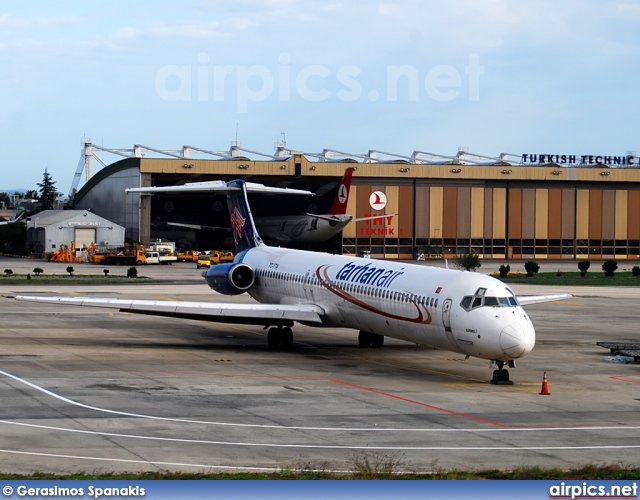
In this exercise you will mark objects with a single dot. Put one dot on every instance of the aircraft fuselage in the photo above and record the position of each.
(467, 313)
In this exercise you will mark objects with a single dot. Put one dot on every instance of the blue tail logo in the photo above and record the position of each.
(244, 231)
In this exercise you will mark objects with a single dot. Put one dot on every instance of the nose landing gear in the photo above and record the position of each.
(501, 376)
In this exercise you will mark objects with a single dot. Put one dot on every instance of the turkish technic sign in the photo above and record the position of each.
(629, 160)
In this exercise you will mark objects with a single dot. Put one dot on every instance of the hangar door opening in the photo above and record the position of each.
(84, 237)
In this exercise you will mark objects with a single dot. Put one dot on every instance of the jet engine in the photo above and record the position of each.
(230, 279)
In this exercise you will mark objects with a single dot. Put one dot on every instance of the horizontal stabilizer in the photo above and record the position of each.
(217, 186)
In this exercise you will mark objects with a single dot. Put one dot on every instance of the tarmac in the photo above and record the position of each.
(84, 389)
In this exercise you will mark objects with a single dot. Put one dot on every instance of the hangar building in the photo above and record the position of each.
(527, 206)
(47, 230)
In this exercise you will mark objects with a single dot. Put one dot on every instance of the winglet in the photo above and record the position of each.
(339, 206)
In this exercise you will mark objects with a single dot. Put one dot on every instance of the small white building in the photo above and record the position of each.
(47, 230)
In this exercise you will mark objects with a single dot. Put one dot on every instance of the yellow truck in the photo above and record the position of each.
(213, 257)
(187, 256)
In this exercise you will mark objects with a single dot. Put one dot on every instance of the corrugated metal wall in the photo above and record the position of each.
(508, 221)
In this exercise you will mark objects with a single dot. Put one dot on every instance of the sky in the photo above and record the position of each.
(492, 76)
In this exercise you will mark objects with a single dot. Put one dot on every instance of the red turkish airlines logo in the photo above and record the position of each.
(378, 200)
(237, 223)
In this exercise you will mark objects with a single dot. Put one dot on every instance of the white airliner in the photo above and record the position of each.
(467, 313)
(304, 228)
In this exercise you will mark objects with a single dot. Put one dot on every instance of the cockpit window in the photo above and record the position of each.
(491, 301)
(480, 299)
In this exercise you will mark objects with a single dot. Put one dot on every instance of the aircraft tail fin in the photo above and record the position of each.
(244, 230)
(245, 234)
(339, 206)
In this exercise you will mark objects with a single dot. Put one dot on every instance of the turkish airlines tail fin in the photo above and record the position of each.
(339, 206)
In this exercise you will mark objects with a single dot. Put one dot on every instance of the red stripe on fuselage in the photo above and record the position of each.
(334, 288)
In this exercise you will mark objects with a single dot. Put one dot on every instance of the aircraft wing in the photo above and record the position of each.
(197, 226)
(371, 217)
(348, 218)
(223, 312)
(526, 300)
(331, 218)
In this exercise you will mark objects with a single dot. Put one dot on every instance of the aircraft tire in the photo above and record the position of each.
(364, 339)
(377, 341)
(286, 338)
(273, 338)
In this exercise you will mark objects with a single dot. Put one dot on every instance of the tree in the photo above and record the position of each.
(504, 270)
(6, 199)
(8, 272)
(583, 265)
(132, 272)
(468, 262)
(38, 271)
(47, 191)
(609, 267)
(70, 270)
(531, 267)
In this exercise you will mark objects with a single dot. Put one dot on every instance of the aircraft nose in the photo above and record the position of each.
(517, 339)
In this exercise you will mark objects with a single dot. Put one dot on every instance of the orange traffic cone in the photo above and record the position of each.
(545, 385)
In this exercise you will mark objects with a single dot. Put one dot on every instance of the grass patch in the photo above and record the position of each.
(83, 279)
(569, 278)
(363, 467)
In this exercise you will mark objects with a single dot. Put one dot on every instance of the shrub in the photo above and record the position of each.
(70, 270)
(504, 270)
(609, 267)
(132, 272)
(38, 271)
(635, 271)
(8, 272)
(583, 265)
(468, 262)
(531, 267)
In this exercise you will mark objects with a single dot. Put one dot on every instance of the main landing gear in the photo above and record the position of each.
(368, 339)
(280, 337)
(501, 376)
